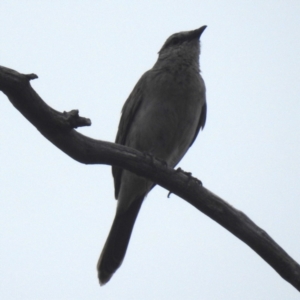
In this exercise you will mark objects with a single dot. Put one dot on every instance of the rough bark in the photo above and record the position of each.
(58, 128)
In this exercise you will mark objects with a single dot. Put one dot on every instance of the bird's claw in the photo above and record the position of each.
(152, 158)
(189, 175)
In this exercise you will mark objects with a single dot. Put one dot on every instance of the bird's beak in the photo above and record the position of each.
(197, 33)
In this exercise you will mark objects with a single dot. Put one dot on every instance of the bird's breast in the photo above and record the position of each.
(167, 120)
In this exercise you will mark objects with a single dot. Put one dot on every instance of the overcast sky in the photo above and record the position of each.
(56, 213)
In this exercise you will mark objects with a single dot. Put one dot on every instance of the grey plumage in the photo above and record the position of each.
(162, 116)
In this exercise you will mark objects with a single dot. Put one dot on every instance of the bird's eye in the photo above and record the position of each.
(175, 41)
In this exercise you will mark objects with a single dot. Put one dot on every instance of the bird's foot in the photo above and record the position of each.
(152, 158)
(164, 163)
(189, 175)
(149, 156)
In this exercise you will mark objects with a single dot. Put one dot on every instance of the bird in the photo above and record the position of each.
(161, 117)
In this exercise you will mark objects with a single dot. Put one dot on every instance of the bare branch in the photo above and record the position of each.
(58, 128)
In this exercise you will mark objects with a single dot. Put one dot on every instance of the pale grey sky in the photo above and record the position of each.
(55, 213)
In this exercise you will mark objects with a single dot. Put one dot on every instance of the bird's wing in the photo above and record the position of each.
(201, 122)
(129, 111)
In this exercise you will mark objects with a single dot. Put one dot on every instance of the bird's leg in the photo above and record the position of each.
(149, 156)
(152, 158)
(189, 175)
(163, 162)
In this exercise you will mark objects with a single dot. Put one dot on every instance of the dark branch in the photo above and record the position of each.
(58, 128)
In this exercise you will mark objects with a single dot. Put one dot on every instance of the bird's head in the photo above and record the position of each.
(185, 44)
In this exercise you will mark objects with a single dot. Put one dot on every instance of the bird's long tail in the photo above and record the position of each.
(117, 242)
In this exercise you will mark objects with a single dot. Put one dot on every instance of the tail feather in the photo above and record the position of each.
(117, 242)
